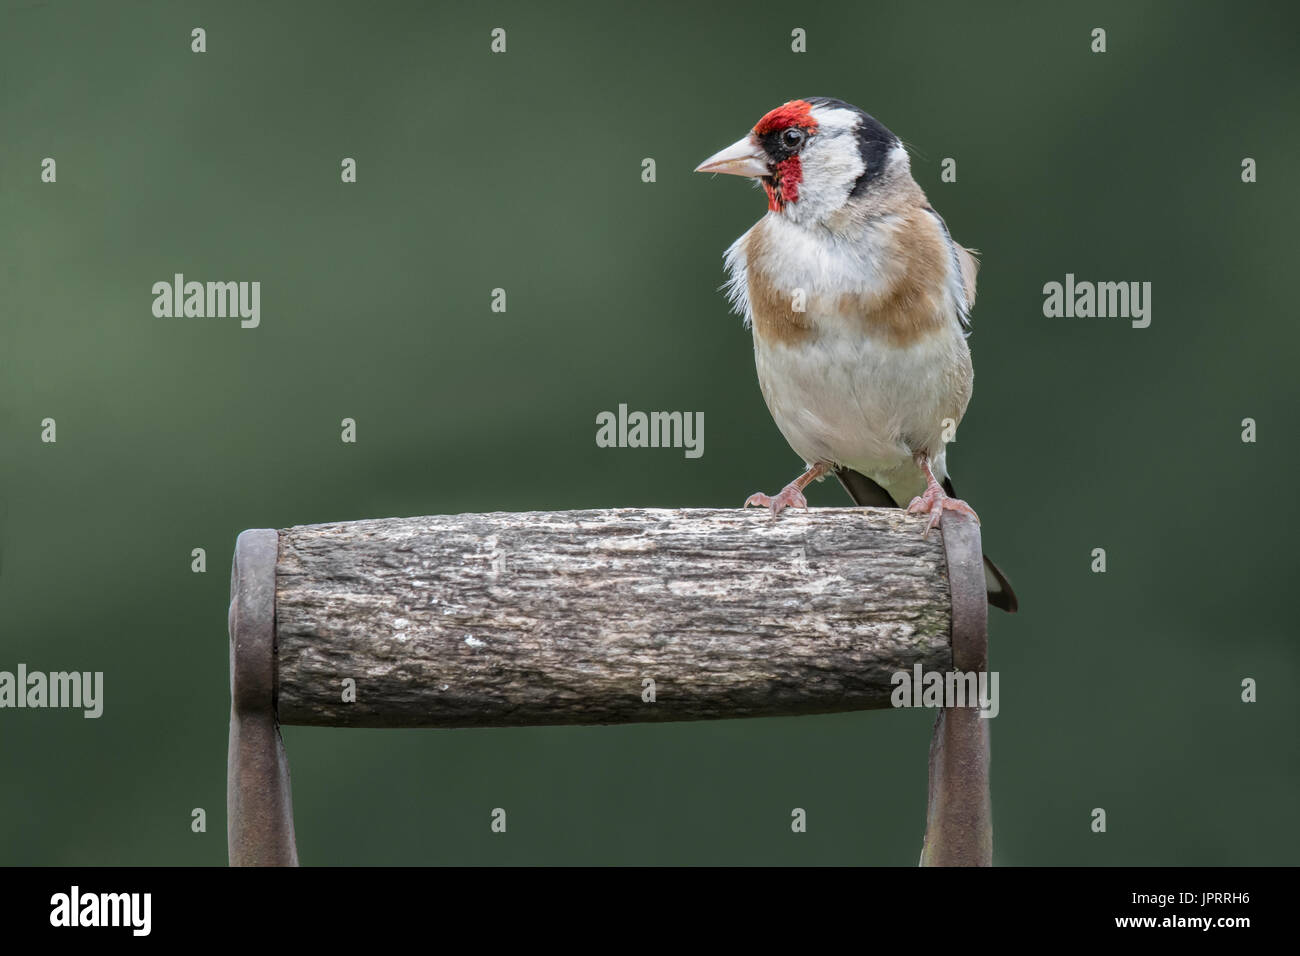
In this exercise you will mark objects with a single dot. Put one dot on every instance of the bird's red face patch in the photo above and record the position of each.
(783, 185)
(795, 113)
(787, 171)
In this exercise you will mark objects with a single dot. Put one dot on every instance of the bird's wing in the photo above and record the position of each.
(970, 265)
(967, 265)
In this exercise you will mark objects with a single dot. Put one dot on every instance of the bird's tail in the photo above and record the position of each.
(868, 494)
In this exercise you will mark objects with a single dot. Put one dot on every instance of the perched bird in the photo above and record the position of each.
(860, 302)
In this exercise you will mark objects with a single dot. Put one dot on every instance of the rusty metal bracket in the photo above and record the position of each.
(959, 813)
(259, 806)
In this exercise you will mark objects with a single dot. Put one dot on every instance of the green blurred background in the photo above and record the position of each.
(523, 171)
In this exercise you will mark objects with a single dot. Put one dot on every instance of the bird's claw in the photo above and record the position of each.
(934, 502)
(788, 497)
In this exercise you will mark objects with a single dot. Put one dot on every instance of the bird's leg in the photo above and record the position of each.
(934, 500)
(791, 494)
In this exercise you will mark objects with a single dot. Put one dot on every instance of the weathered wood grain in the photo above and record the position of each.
(559, 617)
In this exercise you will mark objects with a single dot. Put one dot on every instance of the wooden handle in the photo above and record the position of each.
(516, 619)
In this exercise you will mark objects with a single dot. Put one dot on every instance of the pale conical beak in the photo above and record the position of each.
(742, 158)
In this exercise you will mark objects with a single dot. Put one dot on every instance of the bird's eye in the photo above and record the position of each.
(793, 138)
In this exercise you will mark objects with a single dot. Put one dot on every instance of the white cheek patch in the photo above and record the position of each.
(830, 164)
(830, 168)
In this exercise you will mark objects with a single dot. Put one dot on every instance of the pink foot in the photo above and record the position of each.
(791, 496)
(935, 502)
